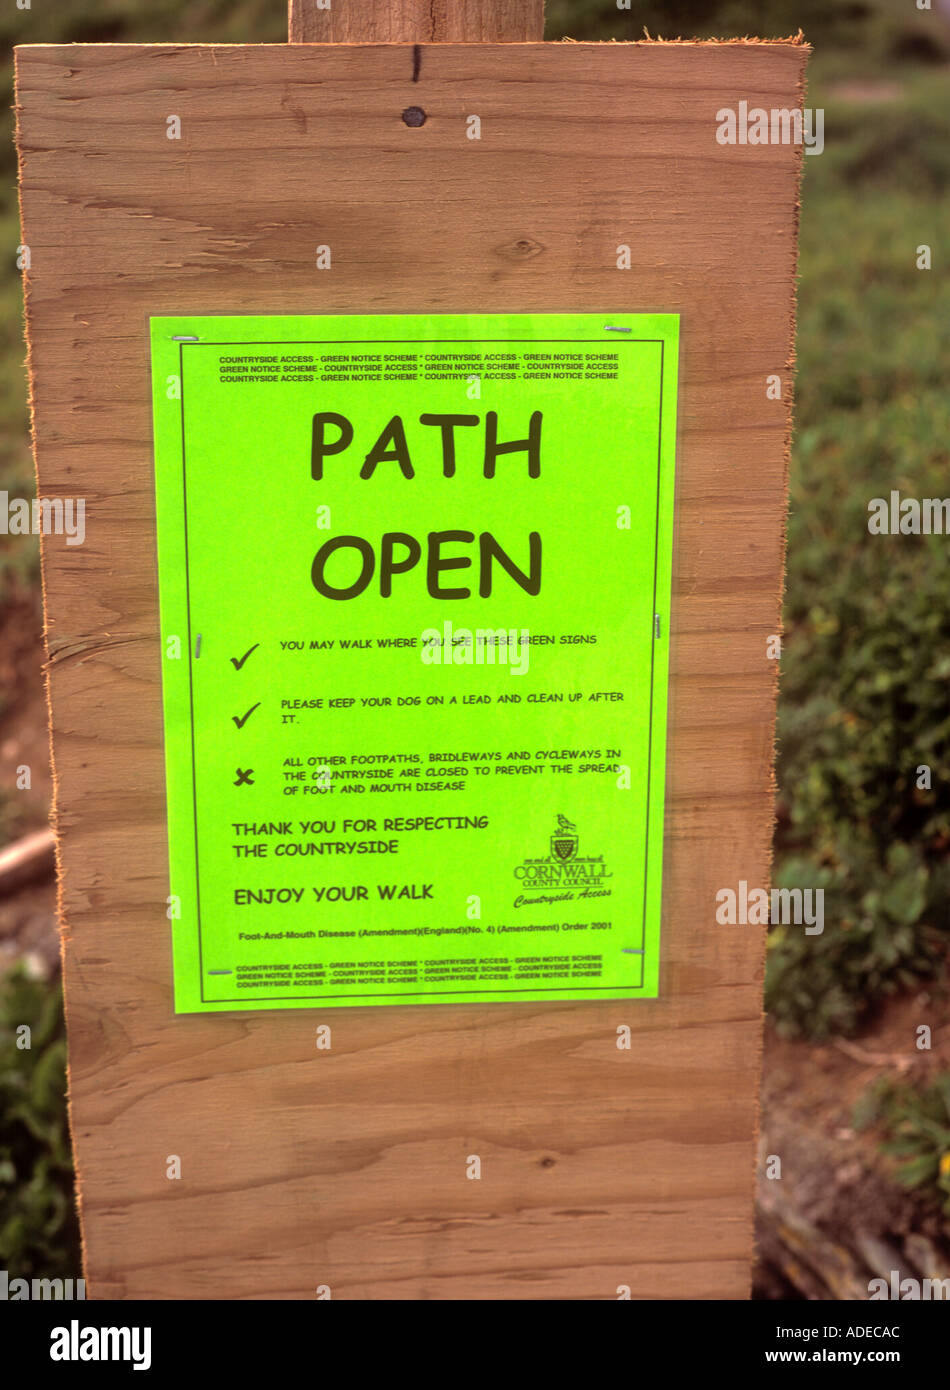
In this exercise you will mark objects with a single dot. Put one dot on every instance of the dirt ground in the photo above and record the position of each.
(837, 1194)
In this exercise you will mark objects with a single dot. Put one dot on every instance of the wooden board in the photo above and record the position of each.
(347, 1168)
(428, 21)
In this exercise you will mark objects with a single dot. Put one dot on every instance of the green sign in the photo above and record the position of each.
(415, 589)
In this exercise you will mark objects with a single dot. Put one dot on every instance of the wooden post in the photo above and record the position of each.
(604, 1166)
(417, 21)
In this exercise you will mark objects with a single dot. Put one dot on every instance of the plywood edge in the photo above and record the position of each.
(794, 41)
(46, 542)
(772, 784)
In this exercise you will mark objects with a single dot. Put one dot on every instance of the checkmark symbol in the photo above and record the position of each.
(238, 664)
(244, 718)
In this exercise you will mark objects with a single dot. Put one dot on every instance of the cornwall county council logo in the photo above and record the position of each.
(564, 840)
(571, 874)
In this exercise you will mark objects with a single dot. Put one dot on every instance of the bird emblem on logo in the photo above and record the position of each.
(564, 840)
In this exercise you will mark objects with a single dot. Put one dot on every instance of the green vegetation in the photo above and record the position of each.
(915, 1121)
(867, 654)
(39, 1230)
(860, 35)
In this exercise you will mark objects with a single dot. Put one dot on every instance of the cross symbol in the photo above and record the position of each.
(244, 778)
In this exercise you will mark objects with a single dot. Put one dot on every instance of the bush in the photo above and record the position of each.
(916, 1123)
(39, 1229)
(864, 705)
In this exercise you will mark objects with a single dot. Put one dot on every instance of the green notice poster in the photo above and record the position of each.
(415, 591)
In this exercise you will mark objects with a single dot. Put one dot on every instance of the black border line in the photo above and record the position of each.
(191, 683)
(656, 563)
(236, 1004)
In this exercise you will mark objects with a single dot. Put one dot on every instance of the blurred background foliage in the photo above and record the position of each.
(865, 672)
(39, 1234)
(915, 1124)
(865, 675)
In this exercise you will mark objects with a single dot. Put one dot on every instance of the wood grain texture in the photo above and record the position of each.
(416, 21)
(347, 1168)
